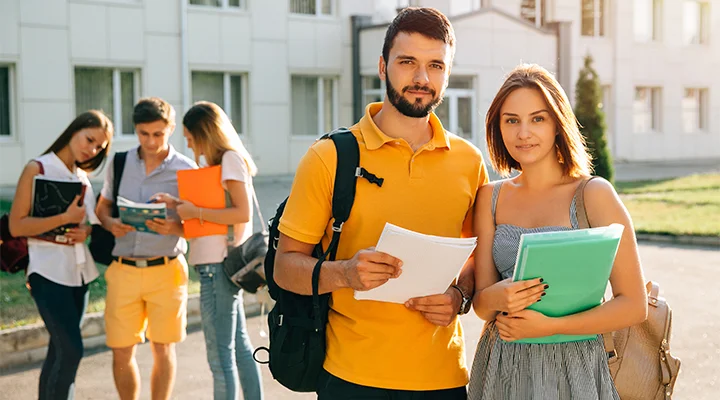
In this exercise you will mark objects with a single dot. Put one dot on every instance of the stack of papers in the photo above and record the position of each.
(430, 264)
(135, 214)
(576, 264)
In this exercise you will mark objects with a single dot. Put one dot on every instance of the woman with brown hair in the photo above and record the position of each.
(530, 128)
(210, 134)
(59, 274)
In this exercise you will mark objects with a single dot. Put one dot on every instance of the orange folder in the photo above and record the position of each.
(202, 187)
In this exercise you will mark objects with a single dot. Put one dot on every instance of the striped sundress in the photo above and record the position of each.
(518, 371)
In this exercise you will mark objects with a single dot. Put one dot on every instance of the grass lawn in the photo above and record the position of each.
(683, 206)
(18, 308)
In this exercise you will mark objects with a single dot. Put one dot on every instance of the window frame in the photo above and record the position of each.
(540, 9)
(12, 109)
(224, 5)
(320, 103)
(703, 21)
(318, 10)
(657, 16)
(117, 95)
(227, 96)
(656, 99)
(599, 23)
(702, 98)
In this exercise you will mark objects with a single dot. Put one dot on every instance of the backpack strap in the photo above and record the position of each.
(348, 164)
(584, 223)
(580, 211)
(118, 168)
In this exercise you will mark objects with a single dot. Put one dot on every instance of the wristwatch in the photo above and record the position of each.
(466, 301)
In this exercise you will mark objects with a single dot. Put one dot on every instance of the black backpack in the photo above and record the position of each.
(297, 322)
(102, 241)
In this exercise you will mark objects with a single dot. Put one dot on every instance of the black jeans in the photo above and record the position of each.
(61, 308)
(334, 388)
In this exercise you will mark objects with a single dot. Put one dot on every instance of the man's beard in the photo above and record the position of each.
(412, 110)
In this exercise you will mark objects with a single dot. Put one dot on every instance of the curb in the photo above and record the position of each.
(27, 345)
(711, 241)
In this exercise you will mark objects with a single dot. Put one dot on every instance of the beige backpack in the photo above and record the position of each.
(639, 356)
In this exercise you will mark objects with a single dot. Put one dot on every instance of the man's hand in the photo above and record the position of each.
(524, 324)
(438, 309)
(369, 269)
(165, 226)
(118, 229)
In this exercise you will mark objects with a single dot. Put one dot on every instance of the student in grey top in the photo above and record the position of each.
(147, 281)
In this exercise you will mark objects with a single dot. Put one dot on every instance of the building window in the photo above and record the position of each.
(373, 89)
(219, 3)
(311, 7)
(112, 90)
(227, 90)
(314, 105)
(647, 20)
(457, 111)
(646, 110)
(695, 22)
(695, 110)
(533, 11)
(5, 97)
(593, 18)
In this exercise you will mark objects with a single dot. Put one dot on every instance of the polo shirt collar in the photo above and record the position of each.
(374, 138)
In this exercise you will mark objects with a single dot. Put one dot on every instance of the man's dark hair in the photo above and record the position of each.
(426, 21)
(151, 109)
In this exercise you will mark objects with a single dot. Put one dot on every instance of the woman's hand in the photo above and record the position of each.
(170, 200)
(511, 297)
(77, 235)
(524, 324)
(75, 213)
(187, 210)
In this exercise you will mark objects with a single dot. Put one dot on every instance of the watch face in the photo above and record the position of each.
(465, 307)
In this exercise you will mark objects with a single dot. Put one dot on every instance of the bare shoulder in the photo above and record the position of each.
(600, 190)
(487, 189)
(31, 169)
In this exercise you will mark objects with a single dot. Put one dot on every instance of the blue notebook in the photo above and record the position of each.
(136, 214)
(576, 264)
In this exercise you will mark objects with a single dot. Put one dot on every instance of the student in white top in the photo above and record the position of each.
(59, 274)
(210, 134)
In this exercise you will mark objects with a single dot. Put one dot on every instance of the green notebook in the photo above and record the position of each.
(576, 264)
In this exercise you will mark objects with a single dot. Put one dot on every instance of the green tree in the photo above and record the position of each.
(592, 119)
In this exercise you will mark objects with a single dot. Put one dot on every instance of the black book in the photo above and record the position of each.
(52, 197)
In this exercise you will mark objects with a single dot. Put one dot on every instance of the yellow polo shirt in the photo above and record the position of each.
(431, 191)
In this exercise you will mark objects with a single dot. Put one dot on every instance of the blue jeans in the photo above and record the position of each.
(229, 351)
(61, 308)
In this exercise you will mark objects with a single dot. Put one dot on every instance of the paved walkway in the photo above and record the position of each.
(687, 276)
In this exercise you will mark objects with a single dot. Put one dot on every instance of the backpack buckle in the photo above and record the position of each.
(337, 228)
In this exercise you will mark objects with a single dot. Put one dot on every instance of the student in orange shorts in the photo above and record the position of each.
(147, 281)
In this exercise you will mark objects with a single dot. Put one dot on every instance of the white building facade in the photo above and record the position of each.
(287, 70)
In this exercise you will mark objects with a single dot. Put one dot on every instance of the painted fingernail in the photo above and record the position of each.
(504, 313)
(542, 280)
(547, 286)
(539, 300)
(543, 294)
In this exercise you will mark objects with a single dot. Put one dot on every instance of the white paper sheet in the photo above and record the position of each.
(430, 263)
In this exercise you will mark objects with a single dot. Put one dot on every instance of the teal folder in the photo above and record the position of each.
(576, 264)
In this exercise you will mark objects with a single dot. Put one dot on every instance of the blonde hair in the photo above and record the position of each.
(572, 152)
(214, 134)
